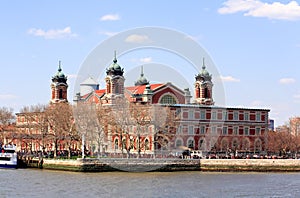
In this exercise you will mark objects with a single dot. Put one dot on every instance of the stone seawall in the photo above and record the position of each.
(141, 165)
(250, 165)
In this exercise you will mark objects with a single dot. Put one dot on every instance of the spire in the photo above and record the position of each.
(142, 71)
(115, 57)
(203, 64)
(142, 80)
(59, 66)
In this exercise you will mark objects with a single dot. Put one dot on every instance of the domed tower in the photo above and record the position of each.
(142, 80)
(203, 87)
(114, 78)
(59, 86)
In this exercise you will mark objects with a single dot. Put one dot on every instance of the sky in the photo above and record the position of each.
(253, 44)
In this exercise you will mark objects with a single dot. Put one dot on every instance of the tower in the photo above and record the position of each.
(142, 80)
(114, 79)
(203, 87)
(59, 87)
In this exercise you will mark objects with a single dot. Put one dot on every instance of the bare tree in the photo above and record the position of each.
(34, 128)
(60, 121)
(86, 121)
(7, 118)
(165, 123)
(141, 118)
(122, 122)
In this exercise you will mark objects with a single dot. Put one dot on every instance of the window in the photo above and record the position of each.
(60, 93)
(214, 115)
(224, 115)
(225, 131)
(257, 116)
(257, 131)
(246, 131)
(168, 99)
(235, 115)
(116, 144)
(246, 116)
(147, 147)
(191, 143)
(191, 114)
(213, 130)
(202, 144)
(235, 130)
(191, 130)
(202, 115)
(179, 130)
(178, 142)
(202, 129)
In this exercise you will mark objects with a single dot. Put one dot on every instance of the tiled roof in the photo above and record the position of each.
(140, 88)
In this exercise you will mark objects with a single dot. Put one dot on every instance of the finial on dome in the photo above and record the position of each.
(59, 66)
(142, 70)
(115, 57)
(203, 65)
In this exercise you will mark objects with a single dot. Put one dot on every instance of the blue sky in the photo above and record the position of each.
(254, 44)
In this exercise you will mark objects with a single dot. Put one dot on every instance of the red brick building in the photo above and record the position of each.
(202, 125)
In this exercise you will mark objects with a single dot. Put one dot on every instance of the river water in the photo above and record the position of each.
(45, 183)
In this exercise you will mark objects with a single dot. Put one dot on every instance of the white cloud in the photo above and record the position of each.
(229, 79)
(297, 96)
(257, 8)
(72, 76)
(7, 97)
(106, 33)
(146, 60)
(287, 81)
(53, 33)
(137, 38)
(110, 17)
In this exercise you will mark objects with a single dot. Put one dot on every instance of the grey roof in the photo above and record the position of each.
(89, 81)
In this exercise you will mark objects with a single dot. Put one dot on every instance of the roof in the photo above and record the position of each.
(218, 107)
(89, 81)
(140, 88)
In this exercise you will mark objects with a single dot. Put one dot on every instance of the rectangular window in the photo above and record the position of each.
(235, 130)
(214, 130)
(246, 131)
(236, 115)
(246, 116)
(214, 115)
(257, 131)
(202, 115)
(257, 116)
(179, 130)
(224, 115)
(191, 130)
(202, 129)
(225, 131)
(191, 114)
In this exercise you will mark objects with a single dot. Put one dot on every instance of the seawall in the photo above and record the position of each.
(140, 165)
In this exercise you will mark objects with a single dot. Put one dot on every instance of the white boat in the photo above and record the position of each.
(8, 157)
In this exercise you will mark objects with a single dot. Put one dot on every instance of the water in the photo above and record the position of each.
(45, 183)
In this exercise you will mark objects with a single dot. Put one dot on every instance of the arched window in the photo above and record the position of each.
(178, 143)
(257, 145)
(191, 143)
(168, 99)
(206, 92)
(60, 93)
(235, 144)
(202, 144)
(246, 144)
(147, 146)
(116, 144)
(224, 144)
